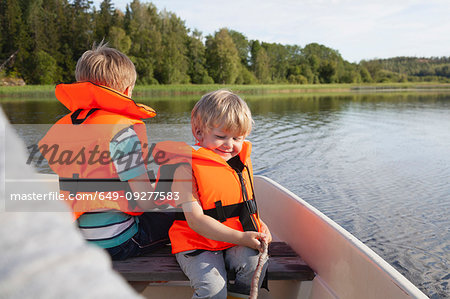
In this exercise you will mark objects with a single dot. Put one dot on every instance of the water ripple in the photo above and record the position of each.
(381, 171)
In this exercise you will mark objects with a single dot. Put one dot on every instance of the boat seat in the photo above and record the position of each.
(161, 266)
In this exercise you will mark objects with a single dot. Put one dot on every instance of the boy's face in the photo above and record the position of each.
(223, 143)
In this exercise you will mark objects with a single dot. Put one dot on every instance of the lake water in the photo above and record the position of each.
(378, 164)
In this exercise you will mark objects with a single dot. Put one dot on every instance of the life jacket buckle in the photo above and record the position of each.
(251, 207)
(71, 184)
(220, 211)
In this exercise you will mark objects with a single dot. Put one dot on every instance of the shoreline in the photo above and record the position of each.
(34, 91)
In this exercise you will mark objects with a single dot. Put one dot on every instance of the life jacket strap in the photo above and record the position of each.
(166, 174)
(74, 185)
(79, 121)
(221, 213)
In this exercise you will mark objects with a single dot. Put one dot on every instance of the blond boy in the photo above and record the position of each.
(105, 135)
(219, 229)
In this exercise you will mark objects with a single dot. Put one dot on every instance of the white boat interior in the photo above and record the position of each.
(344, 267)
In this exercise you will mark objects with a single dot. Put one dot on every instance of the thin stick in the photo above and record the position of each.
(257, 274)
(7, 60)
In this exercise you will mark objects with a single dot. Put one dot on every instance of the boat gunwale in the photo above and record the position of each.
(396, 277)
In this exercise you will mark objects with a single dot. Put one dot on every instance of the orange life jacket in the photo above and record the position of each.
(224, 193)
(77, 146)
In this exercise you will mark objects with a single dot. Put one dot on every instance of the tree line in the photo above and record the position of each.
(41, 41)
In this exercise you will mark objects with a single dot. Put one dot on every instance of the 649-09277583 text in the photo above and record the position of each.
(51, 196)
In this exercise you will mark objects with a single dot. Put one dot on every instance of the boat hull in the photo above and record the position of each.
(344, 266)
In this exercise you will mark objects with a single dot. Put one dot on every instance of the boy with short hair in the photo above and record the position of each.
(105, 142)
(219, 229)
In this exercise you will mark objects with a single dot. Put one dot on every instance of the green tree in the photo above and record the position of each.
(196, 55)
(119, 39)
(365, 75)
(144, 70)
(297, 79)
(242, 45)
(313, 61)
(79, 27)
(104, 20)
(305, 71)
(222, 57)
(262, 66)
(48, 36)
(373, 68)
(300, 74)
(326, 64)
(327, 71)
(45, 18)
(173, 65)
(45, 69)
(142, 25)
(443, 71)
(67, 64)
(11, 27)
(14, 37)
(245, 76)
(279, 56)
(255, 46)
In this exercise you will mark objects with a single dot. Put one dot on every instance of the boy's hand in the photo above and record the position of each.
(252, 240)
(265, 230)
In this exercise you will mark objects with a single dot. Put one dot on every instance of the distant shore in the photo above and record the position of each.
(267, 89)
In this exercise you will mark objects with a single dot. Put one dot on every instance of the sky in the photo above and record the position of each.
(357, 29)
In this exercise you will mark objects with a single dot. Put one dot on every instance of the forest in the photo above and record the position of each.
(41, 41)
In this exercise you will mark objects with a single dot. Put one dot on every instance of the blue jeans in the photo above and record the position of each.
(153, 233)
(207, 270)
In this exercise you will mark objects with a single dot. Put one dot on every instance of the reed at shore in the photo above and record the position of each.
(267, 89)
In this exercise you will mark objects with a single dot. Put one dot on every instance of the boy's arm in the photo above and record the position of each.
(213, 229)
(204, 224)
(126, 154)
(142, 186)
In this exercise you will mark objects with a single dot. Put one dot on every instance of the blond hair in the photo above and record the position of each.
(221, 109)
(106, 66)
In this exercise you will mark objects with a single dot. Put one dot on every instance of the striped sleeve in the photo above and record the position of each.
(127, 156)
(107, 228)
